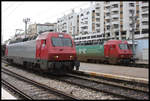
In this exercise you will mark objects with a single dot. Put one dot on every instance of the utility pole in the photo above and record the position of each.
(133, 24)
(73, 32)
(26, 20)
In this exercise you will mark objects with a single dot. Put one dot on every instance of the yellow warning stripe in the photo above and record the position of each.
(142, 80)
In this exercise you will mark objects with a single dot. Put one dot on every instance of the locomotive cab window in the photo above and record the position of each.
(123, 46)
(57, 41)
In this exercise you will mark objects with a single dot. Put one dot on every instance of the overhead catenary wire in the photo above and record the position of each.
(15, 6)
(9, 6)
(40, 13)
(12, 11)
(62, 13)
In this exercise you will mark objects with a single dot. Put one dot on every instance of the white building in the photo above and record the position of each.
(68, 23)
(111, 20)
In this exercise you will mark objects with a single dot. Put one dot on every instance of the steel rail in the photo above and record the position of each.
(16, 90)
(58, 92)
(107, 83)
(85, 85)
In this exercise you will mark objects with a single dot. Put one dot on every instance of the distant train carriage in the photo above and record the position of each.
(52, 52)
(3, 47)
(113, 51)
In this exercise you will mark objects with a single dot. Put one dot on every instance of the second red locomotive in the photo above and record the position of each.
(50, 51)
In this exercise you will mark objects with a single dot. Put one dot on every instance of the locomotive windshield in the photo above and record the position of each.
(123, 46)
(61, 41)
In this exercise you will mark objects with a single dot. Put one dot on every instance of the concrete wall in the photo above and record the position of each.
(142, 49)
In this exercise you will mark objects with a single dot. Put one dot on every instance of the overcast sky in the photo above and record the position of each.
(39, 12)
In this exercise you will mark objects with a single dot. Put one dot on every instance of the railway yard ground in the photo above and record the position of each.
(113, 71)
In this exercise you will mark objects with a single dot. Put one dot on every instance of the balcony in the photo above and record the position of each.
(115, 16)
(145, 4)
(145, 11)
(145, 19)
(97, 8)
(115, 9)
(107, 17)
(107, 23)
(84, 25)
(107, 10)
(115, 22)
(107, 31)
(115, 2)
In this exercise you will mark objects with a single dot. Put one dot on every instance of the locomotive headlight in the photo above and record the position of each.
(122, 56)
(71, 57)
(56, 57)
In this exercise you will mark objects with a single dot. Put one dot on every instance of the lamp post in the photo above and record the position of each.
(26, 20)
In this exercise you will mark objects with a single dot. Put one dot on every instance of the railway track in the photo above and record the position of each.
(133, 84)
(106, 87)
(119, 88)
(15, 89)
(35, 90)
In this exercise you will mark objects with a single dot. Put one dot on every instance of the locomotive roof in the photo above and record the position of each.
(115, 41)
(45, 35)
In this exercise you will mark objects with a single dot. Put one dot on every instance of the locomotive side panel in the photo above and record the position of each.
(23, 49)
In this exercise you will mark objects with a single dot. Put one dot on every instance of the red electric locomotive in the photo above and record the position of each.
(117, 51)
(51, 51)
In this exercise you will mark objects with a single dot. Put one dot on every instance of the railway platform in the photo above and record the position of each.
(142, 61)
(6, 95)
(129, 73)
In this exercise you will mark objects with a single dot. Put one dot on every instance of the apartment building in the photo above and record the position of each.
(111, 20)
(119, 19)
(143, 19)
(68, 23)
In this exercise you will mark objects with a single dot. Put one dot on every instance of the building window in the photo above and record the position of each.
(87, 13)
(97, 8)
(93, 36)
(81, 15)
(108, 27)
(145, 31)
(137, 32)
(131, 11)
(116, 25)
(144, 8)
(115, 6)
(97, 14)
(114, 12)
(145, 15)
(108, 34)
(97, 25)
(145, 22)
(123, 32)
(131, 4)
(97, 19)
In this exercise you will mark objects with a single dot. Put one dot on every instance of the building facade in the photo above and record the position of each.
(39, 28)
(68, 23)
(111, 20)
